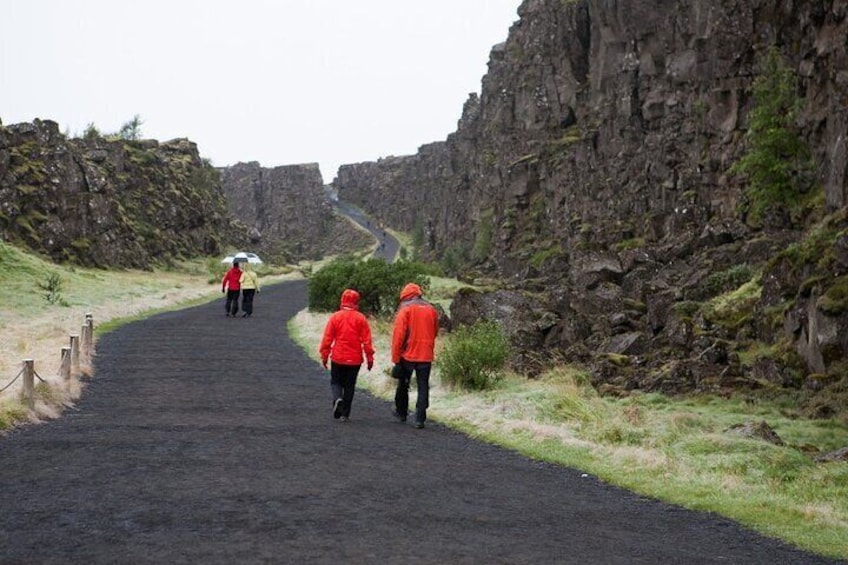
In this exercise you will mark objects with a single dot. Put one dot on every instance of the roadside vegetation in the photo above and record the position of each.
(683, 450)
(42, 303)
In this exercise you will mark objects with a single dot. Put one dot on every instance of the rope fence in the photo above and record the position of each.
(72, 358)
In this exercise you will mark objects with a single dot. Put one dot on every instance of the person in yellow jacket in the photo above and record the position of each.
(249, 283)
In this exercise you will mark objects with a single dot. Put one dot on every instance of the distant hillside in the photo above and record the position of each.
(288, 212)
(110, 202)
(107, 202)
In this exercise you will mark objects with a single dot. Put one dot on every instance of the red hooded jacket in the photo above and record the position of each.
(347, 334)
(416, 327)
(231, 279)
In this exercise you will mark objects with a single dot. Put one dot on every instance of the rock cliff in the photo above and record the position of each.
(109, 203)
(288, 212)
(593, 174)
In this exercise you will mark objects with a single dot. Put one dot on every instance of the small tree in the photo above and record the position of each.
(474, 356)
(51, 288)
(91, 131)
(777, 158)
(131, 130)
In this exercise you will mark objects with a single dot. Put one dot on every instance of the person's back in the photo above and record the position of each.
(249, 283)
(415, 331)
(413, 350)
(232, 287)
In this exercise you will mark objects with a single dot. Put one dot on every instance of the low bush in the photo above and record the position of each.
(378, 283)
(473, 356)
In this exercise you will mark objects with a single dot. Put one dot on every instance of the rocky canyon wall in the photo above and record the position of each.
(594, 166)
(107, 202)
(287, 211)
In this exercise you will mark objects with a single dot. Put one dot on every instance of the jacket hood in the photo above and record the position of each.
(410, 291)
(350, 299)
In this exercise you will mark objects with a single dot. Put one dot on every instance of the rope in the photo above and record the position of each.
(34, 372)
(13, 381)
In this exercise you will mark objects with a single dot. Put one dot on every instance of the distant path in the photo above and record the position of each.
(387, 245)
(205, 439)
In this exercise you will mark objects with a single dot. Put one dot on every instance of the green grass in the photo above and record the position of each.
(675, 449)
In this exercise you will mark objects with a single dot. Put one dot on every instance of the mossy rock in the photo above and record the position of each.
(834, 302)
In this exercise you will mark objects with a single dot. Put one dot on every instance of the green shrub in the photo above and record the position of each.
(725, 281)
(473, 356)
(777, 162)
(379, 284)
(51, 287)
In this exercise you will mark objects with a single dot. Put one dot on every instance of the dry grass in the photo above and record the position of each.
(30, 328)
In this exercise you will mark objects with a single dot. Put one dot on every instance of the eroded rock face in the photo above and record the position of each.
(109, 203)
(288, 212)
(597, 157)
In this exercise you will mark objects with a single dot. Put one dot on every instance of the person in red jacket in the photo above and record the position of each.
(347, 337)
(230, 284)
(413, 344)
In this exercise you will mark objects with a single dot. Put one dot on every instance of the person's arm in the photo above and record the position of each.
(327, 341)
(367, 346)
(399, 334)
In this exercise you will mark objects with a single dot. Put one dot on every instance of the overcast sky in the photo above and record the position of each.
(279, 82)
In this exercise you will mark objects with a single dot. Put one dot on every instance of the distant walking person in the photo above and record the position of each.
(249, 283)
(347, 338)
(230, 284)
(413, 343)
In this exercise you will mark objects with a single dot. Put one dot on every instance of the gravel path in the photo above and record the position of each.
(205, 439)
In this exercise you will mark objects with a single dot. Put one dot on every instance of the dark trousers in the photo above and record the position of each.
(231, 306)
(343, 384)
(247, 300)
(422, 376)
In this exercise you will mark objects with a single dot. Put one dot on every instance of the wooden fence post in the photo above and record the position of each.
(29, 383)
(65, 367)
(75, 355)
(88, 337)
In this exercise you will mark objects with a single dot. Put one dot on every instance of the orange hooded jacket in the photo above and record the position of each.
(416, 327)
(347, 334)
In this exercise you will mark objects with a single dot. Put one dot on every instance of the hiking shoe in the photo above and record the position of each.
(338, 406)
(419, 425)
(398, 416)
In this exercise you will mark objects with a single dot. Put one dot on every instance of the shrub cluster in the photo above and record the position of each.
(379, 284)
(473, 356)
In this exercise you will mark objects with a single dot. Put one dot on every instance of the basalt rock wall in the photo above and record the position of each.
(107, 202)
(287, 211)
(595, 164)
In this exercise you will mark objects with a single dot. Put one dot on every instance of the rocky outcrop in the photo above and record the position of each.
(109, 202)
(288, 212)
(593, 169)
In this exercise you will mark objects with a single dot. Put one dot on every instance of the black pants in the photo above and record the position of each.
(231, 306)
(422, 376)
(343, 384)
(247, 300)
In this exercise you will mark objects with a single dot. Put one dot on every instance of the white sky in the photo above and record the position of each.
(279, 82)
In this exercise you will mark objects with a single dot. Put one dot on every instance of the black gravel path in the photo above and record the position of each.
(205, 439)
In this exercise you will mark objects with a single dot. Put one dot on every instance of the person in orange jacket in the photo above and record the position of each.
(347, 337)
(413, 349)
